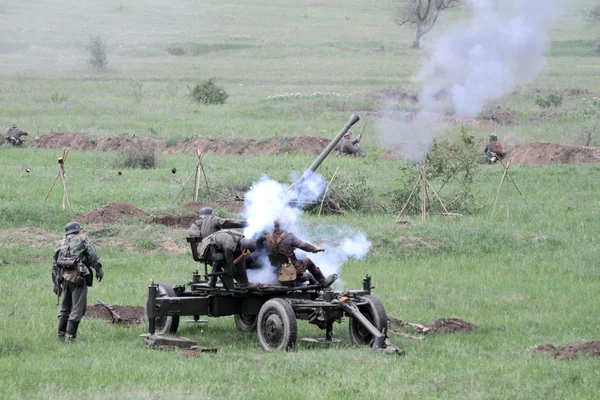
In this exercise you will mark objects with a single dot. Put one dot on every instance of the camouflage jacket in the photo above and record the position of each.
(349, 146)
(82, 249)
(221, 246)
(281, 246)
(205, 226)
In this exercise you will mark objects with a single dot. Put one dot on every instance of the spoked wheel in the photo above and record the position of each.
(245, 322)
(277, 326)
(375, 313)
(163, 325)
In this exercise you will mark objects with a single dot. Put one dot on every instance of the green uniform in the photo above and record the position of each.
(224, 247)
(73, 283)
(350, 147)
(207, 225)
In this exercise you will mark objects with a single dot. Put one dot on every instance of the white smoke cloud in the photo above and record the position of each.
(269, 200)
(471, 65)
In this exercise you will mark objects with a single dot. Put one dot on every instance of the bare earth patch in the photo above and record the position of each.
(130, 315)
(276, 145)
(569, 352)
(112, 212)
(542, 153)
(440, 326)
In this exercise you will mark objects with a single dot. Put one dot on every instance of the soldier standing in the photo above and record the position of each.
(13, 135)
(281, 245)
(349, 146)
(206, 225)
(73, 259)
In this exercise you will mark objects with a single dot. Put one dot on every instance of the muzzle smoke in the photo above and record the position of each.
(470, 66)
(269, 200)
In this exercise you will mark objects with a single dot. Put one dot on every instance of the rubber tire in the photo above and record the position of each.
(375, 313)
(245, 322)
(281, 310)
(163, 325)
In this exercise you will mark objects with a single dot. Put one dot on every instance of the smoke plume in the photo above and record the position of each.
(471, 65)
(269, 200)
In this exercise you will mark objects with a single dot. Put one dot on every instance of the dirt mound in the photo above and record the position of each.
(549, 153)
(130, 315)
(570, 352)
(112, 212)
(76, 140)
(174, 220)
(276, 145)
(30, 236)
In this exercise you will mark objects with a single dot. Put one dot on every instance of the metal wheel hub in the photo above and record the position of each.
(273, 329)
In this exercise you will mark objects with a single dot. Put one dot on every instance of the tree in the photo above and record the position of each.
(421, 13)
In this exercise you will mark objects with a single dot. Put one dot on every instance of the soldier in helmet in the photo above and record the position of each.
(74, 258)
(207, 224)
(349, 146)
(13, 135)
(228, 248)
(493, 150)
(280, 247)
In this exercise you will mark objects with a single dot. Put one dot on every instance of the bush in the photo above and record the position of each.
(143, 157)
(552, 100)
(59, 97)
(208, 93)
(175, 50)
(97, 49)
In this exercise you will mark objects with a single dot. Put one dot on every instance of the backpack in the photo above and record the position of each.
(66, 259)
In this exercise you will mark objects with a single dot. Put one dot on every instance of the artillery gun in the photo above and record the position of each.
(271, 310)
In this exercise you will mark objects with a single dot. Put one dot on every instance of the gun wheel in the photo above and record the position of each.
(163, 325)
(277, 326)
(245, 322)
(375, 313)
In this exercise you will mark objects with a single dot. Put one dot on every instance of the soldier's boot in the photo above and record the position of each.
(212, 281)
(71, 333)
(62, 328)
(323, 282)
(242, 277)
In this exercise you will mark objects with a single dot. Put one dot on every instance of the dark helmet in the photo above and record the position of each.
(493, 138)
(206, 211)
(72, 227)
(247, 244)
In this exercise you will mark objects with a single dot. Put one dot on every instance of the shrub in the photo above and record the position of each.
(139, 156)
(208, 93)
(59, 98)
(136, 89)
(552, 100)
(175, 50)
(97, 49)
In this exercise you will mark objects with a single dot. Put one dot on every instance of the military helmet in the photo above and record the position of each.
(247, 244)
(206, 211)
(72, 227)
(493, 138)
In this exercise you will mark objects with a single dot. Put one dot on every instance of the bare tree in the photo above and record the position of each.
(421, 13)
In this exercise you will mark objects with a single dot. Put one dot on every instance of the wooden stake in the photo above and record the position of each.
(409, 197)
(498, 191)
(186, 182)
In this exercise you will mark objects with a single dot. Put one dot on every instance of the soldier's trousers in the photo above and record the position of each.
(74, 302)
(307, 264)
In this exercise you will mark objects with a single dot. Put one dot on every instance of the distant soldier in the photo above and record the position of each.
(13, 135)
(207, 224)
(349, 146)
(74, 258)
(493, 150)
(228, 248)
(280, 247)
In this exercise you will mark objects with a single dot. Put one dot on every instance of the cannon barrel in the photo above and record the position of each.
(353, 120)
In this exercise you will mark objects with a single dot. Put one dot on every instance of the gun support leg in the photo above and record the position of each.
(329, 331)
(353, 311)
(150, 305)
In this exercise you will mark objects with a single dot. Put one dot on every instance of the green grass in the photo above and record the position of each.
(290, 68)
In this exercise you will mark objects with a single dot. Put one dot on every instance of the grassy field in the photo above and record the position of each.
(526, 280)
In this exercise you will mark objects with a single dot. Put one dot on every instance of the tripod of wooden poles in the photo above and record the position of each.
(196, 174)
(62, 175)
(502, 182)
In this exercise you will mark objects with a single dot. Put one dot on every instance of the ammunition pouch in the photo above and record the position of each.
(89, 278)
(287, 272)
(67, 262)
